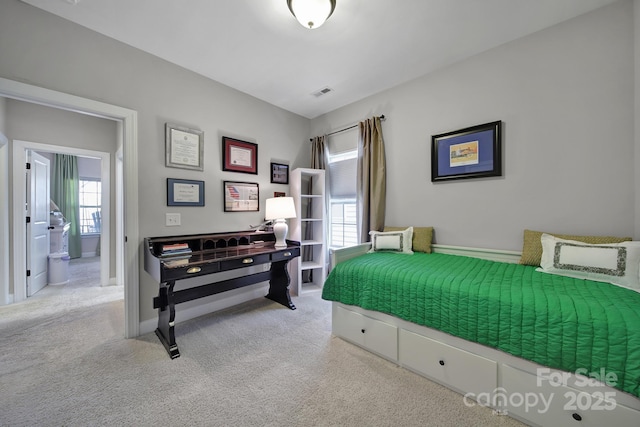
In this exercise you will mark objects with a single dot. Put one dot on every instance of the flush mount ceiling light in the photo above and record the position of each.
(311, 13)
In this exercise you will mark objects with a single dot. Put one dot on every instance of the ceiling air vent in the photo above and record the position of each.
(322, 91)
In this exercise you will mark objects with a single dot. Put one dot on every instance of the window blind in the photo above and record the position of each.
(342, 181)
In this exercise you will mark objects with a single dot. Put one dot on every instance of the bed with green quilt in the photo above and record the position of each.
(555, 321)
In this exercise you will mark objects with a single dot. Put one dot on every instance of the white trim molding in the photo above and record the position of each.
(482, 253)
(128, 126)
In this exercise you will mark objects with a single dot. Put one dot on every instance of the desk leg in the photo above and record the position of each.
(166, 319)
(279, 284)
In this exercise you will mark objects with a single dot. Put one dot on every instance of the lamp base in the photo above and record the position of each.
(280, 229)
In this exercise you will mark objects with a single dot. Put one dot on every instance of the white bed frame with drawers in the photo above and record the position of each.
(482, 375)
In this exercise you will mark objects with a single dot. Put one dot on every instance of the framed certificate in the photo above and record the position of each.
(184, 147)
(241, 196)
(185, 192)
(279, 173)
(239, 156)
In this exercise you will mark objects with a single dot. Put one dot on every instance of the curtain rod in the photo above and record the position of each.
(347, 128)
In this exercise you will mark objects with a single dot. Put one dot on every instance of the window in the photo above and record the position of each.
(343, 223)
(90, 197)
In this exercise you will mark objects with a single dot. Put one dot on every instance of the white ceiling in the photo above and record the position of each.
(257, 46)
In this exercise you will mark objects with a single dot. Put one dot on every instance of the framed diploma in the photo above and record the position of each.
(185, 192)
(184, 147)
(239, 156)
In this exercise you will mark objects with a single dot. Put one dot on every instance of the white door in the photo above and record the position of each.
(37, 218)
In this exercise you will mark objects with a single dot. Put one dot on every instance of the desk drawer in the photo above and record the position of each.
(286, 254)
(189, 270)
(247, 261)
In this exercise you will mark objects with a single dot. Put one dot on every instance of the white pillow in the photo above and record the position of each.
(617, 263)
(392, 241)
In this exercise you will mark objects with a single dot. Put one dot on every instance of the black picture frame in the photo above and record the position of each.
(239, 156)
(279, 173)
(240, 196)
(185, 192)
(184, 147)
(473, 152)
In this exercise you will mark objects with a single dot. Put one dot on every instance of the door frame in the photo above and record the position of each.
(127, 123)
(19, 199)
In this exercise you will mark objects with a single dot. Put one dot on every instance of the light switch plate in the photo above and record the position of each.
(172, 219)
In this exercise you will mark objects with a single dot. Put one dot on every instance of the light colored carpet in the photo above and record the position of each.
(256, 364)
(83, 290)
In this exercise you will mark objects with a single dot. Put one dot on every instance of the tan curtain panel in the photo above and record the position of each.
(318, 153)
(371, 178)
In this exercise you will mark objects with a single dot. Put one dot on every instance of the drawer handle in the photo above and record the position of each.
(287, 254)
(194, 270)
(362, 330)
(576, 416)
(441, 362)
(247, 261)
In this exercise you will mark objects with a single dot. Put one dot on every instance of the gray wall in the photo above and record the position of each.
(44, 50)
(565, 96)
(36, 123)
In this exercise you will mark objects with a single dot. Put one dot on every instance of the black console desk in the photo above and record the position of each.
(168, 259)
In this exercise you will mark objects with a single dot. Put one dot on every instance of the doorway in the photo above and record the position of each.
(20, 149)
(81, 256)
(126, 220)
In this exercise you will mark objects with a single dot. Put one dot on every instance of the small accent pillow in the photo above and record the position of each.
(616, 263)
(532, 249)
(422, 238)
(392, 241)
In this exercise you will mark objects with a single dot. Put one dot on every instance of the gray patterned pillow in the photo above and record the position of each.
(616, 263)
(532, 248)
(392, 241)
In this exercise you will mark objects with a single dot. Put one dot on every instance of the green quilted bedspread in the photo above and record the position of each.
(556, 321)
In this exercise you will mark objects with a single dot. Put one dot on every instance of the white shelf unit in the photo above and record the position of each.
(308, 191)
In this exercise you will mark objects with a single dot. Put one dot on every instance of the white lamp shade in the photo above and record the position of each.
(280, 208)
(311, 13)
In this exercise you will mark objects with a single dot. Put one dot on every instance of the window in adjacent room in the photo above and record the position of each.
(89, 200)
(343, 223)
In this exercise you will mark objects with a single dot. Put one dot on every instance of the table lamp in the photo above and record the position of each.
(279, 209)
